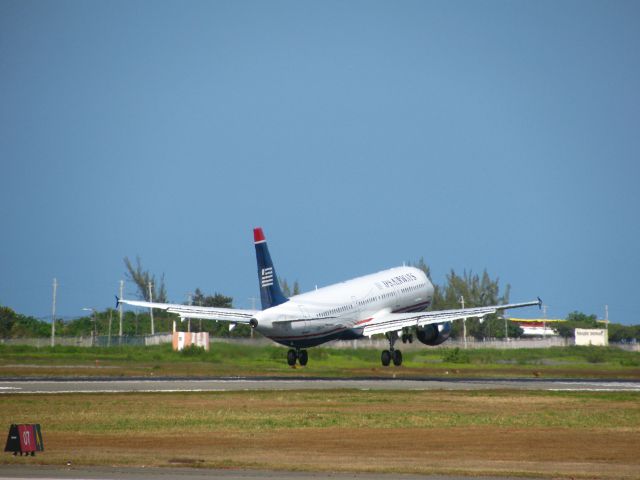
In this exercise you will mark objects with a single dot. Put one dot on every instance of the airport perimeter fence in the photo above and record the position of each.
(98, 341)
(373, 343)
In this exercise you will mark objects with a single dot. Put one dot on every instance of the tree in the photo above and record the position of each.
(288, 291)
(576, 320)
(284, 286)
(15, 325)
(215, 300)
(215, 328)
(8, 319)
(623, 333)
(477, 291)
(142, 278)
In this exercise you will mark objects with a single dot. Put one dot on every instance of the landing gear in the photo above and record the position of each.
(297, 355)
(292, 356)
(303, 358)
(386, 358)
(392, 354)
(397, 358)
(406, 337)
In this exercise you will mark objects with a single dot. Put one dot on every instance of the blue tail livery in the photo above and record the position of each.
(270, 292)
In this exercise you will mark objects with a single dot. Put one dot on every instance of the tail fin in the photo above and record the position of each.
(270, 292)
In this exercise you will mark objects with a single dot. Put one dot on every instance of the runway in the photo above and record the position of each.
(106, 385)
(120, 473)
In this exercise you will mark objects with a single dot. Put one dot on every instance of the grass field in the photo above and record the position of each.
(230, 360)
(568, 435)
(553, 434)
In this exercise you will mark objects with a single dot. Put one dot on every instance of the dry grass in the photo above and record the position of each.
(591, 435)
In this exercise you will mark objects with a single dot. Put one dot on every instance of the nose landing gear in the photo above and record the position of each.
(297, 355)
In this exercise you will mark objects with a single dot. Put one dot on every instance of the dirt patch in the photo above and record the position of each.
(592, 454)
(522, 433)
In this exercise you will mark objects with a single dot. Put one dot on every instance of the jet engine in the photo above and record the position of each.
(434, 334)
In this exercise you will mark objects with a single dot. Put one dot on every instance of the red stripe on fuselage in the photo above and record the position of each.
(360, 322)
(363, 321)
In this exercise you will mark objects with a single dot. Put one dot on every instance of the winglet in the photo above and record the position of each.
(117, 301)
(539, 303)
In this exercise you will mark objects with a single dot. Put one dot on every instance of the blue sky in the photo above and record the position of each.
(495, 134)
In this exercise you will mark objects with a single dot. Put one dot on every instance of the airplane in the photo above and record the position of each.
(391, 302)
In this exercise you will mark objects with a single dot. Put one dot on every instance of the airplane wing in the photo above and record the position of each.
(394, 322)
(193, 311)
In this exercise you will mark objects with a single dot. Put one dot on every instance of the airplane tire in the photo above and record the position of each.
(291, 357)
(303, 358)
(397, 358)
(385, 358)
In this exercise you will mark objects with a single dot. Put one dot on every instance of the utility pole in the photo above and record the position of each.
(95, 327)
(153, 329)
(506, 330)
(53, 314)
(189, 319)
(120, 307)
(606, 321)
(464, 324)
(110, 319)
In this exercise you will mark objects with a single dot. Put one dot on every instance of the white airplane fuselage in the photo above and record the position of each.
(341, 311)
(391, 302)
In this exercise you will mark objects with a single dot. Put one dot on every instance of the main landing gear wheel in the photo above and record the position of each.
(397, 358)
(303, 358)
(385, 358)
(292, 356)
(391, 354)
(297, 355)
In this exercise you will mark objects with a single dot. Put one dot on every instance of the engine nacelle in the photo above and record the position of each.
(434, 334)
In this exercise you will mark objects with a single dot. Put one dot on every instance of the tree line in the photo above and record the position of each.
(475, 289)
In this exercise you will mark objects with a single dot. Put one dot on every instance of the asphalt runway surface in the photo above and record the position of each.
(108, 385)
(11, 472)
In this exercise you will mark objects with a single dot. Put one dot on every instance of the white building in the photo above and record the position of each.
(592, 336)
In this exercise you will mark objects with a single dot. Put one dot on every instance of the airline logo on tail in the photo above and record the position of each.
(266, 277)
(270, 292)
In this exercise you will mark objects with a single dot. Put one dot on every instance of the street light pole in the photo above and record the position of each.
(464, 324)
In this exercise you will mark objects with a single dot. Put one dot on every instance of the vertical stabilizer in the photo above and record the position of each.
(270, 292)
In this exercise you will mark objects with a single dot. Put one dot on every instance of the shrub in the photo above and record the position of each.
(594, 355)
(455, 356)
(193, 351)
